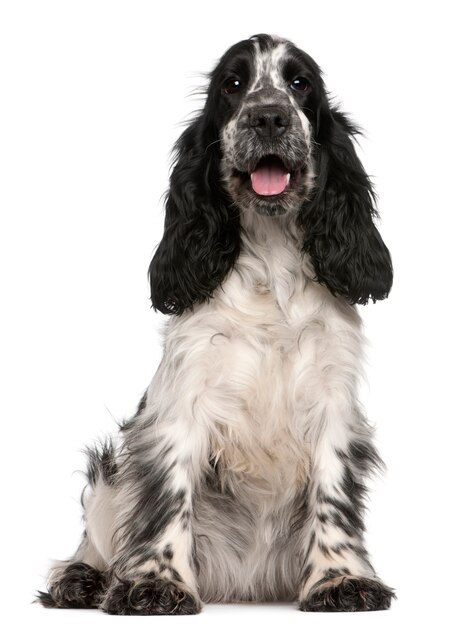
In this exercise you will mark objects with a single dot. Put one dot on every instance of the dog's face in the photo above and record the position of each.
(268, 141)
(266, 136)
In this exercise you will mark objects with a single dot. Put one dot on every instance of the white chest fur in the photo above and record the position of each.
(256, 360)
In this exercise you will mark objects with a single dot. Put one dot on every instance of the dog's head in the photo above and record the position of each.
(267, 90)
(268, 141)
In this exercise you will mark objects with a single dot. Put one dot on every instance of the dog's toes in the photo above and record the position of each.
(150, 596)
(78, 586)
(348, 593)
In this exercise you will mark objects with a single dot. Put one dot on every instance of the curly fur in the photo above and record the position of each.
(348, 594)
(150, 596)
(79, 586)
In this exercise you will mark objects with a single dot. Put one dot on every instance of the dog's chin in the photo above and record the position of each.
(272, 195)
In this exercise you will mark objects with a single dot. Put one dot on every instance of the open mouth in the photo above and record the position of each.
(270, 177)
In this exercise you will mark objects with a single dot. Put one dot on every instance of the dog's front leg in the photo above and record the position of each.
(336, 572)
(165, 448)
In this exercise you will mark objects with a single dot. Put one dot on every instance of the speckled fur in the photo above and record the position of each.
(242, 474)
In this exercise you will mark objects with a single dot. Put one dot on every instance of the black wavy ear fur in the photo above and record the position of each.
(201, 236)
(347, 251)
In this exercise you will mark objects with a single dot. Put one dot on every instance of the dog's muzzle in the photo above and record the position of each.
(268, 155)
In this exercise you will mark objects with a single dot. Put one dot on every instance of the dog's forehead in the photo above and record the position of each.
(268, 63)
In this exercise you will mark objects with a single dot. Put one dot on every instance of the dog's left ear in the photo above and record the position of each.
(346, 249)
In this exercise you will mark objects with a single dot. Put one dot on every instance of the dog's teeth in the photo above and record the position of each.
(288, 176)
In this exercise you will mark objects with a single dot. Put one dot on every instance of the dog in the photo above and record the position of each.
(242, 475)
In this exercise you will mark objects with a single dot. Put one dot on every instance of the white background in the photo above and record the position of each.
(92, 97)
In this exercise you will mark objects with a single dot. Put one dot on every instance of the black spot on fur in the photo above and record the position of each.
(149, 596)
(354, 490)
(350, 594)
(364, 456)
(79, 587)
(174, 574)
(168, 552)
(332, 572)
(345, 516)
(341, 547)
(323, 548)
(101, 463)
(323, 517)
(185, 516)
(341, 522)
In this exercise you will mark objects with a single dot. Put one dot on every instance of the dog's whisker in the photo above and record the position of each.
(212, 144)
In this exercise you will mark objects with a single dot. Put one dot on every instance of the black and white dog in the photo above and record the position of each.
(241, 476)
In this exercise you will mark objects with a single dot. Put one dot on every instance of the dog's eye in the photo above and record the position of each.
(231, 86)
(299, 84)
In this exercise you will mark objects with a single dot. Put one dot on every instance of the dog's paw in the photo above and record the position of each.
(77, 586)
(348, 593)
(150, 595)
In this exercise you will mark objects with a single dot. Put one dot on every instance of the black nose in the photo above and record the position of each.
(269, 121)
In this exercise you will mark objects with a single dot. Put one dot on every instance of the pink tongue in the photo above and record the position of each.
(269, 179)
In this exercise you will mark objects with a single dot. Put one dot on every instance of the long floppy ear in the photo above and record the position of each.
(201, 236)
(346, 249)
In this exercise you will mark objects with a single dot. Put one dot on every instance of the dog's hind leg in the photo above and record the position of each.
(152, 568)
(80, 582)
(164, 459)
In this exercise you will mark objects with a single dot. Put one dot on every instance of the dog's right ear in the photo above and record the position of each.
(201, 237)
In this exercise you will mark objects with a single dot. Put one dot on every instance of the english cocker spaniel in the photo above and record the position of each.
(242, 475)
